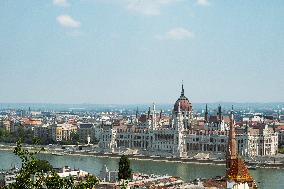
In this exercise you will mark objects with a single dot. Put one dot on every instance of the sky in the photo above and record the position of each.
(140, 51)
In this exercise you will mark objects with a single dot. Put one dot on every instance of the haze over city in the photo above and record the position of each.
(134, 51)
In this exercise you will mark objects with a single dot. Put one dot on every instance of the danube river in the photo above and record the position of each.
(266, 178)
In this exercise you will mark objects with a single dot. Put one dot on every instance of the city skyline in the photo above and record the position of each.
(135, 52)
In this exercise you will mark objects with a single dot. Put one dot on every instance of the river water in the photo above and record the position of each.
(266, 178)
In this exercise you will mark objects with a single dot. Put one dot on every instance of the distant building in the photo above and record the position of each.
(43, 132)
(6, 124)
(281, 118)
(280, 130)
(108, 176)
(260, 141)
(68, 172)
(30, 123)
(217, 122)
(8, 177)
(86, 130)
(62, 132)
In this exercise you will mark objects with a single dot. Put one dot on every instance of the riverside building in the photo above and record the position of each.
(181, 136)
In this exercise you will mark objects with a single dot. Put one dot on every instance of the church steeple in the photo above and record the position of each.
(232, 143)
(237, 170)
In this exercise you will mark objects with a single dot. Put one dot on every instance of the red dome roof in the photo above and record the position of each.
(183, 102)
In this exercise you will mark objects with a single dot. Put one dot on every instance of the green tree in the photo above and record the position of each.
(25, 135)
(43, 165)
(75, 138)
(124, 170)
(281, 150)
(5, 136)
(46, 177)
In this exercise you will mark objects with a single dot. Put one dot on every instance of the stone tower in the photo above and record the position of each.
(232, 143)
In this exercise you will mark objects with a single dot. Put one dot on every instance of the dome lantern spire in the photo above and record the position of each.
(182, 90)
(182, 102)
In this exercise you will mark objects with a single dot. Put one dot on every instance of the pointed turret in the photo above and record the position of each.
(182, 90)
(206, 114)
(137, 112)
(220, 113)
(149, 112)
(154, 116)
(154, 112)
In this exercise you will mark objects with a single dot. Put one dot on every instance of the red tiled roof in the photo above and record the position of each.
(239, 172)
(213, 119)
(143, 118)
(226, 118)
(280, 127)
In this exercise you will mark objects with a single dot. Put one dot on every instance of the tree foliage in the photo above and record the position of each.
(39, 174)
(25, 135)
(43, 166)
(281, 150)
(124, 170)
(75, 138)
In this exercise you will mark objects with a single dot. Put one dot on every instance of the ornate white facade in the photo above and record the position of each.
(179, 139)
(258, 142)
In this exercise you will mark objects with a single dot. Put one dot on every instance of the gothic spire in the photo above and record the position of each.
(206, 113)
(182, 90)
(220, 113)
(149, 111)
(137, 112)
(232, 113)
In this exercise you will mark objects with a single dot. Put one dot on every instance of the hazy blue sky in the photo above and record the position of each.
(139, 51)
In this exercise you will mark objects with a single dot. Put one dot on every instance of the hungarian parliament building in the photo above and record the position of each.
(180, 136)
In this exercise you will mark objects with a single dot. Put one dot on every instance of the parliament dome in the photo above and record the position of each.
(182, 103)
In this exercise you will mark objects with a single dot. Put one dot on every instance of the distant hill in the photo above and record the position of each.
(133, 107)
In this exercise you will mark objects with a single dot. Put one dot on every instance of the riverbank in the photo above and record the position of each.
(58, 151)
(187, 171)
